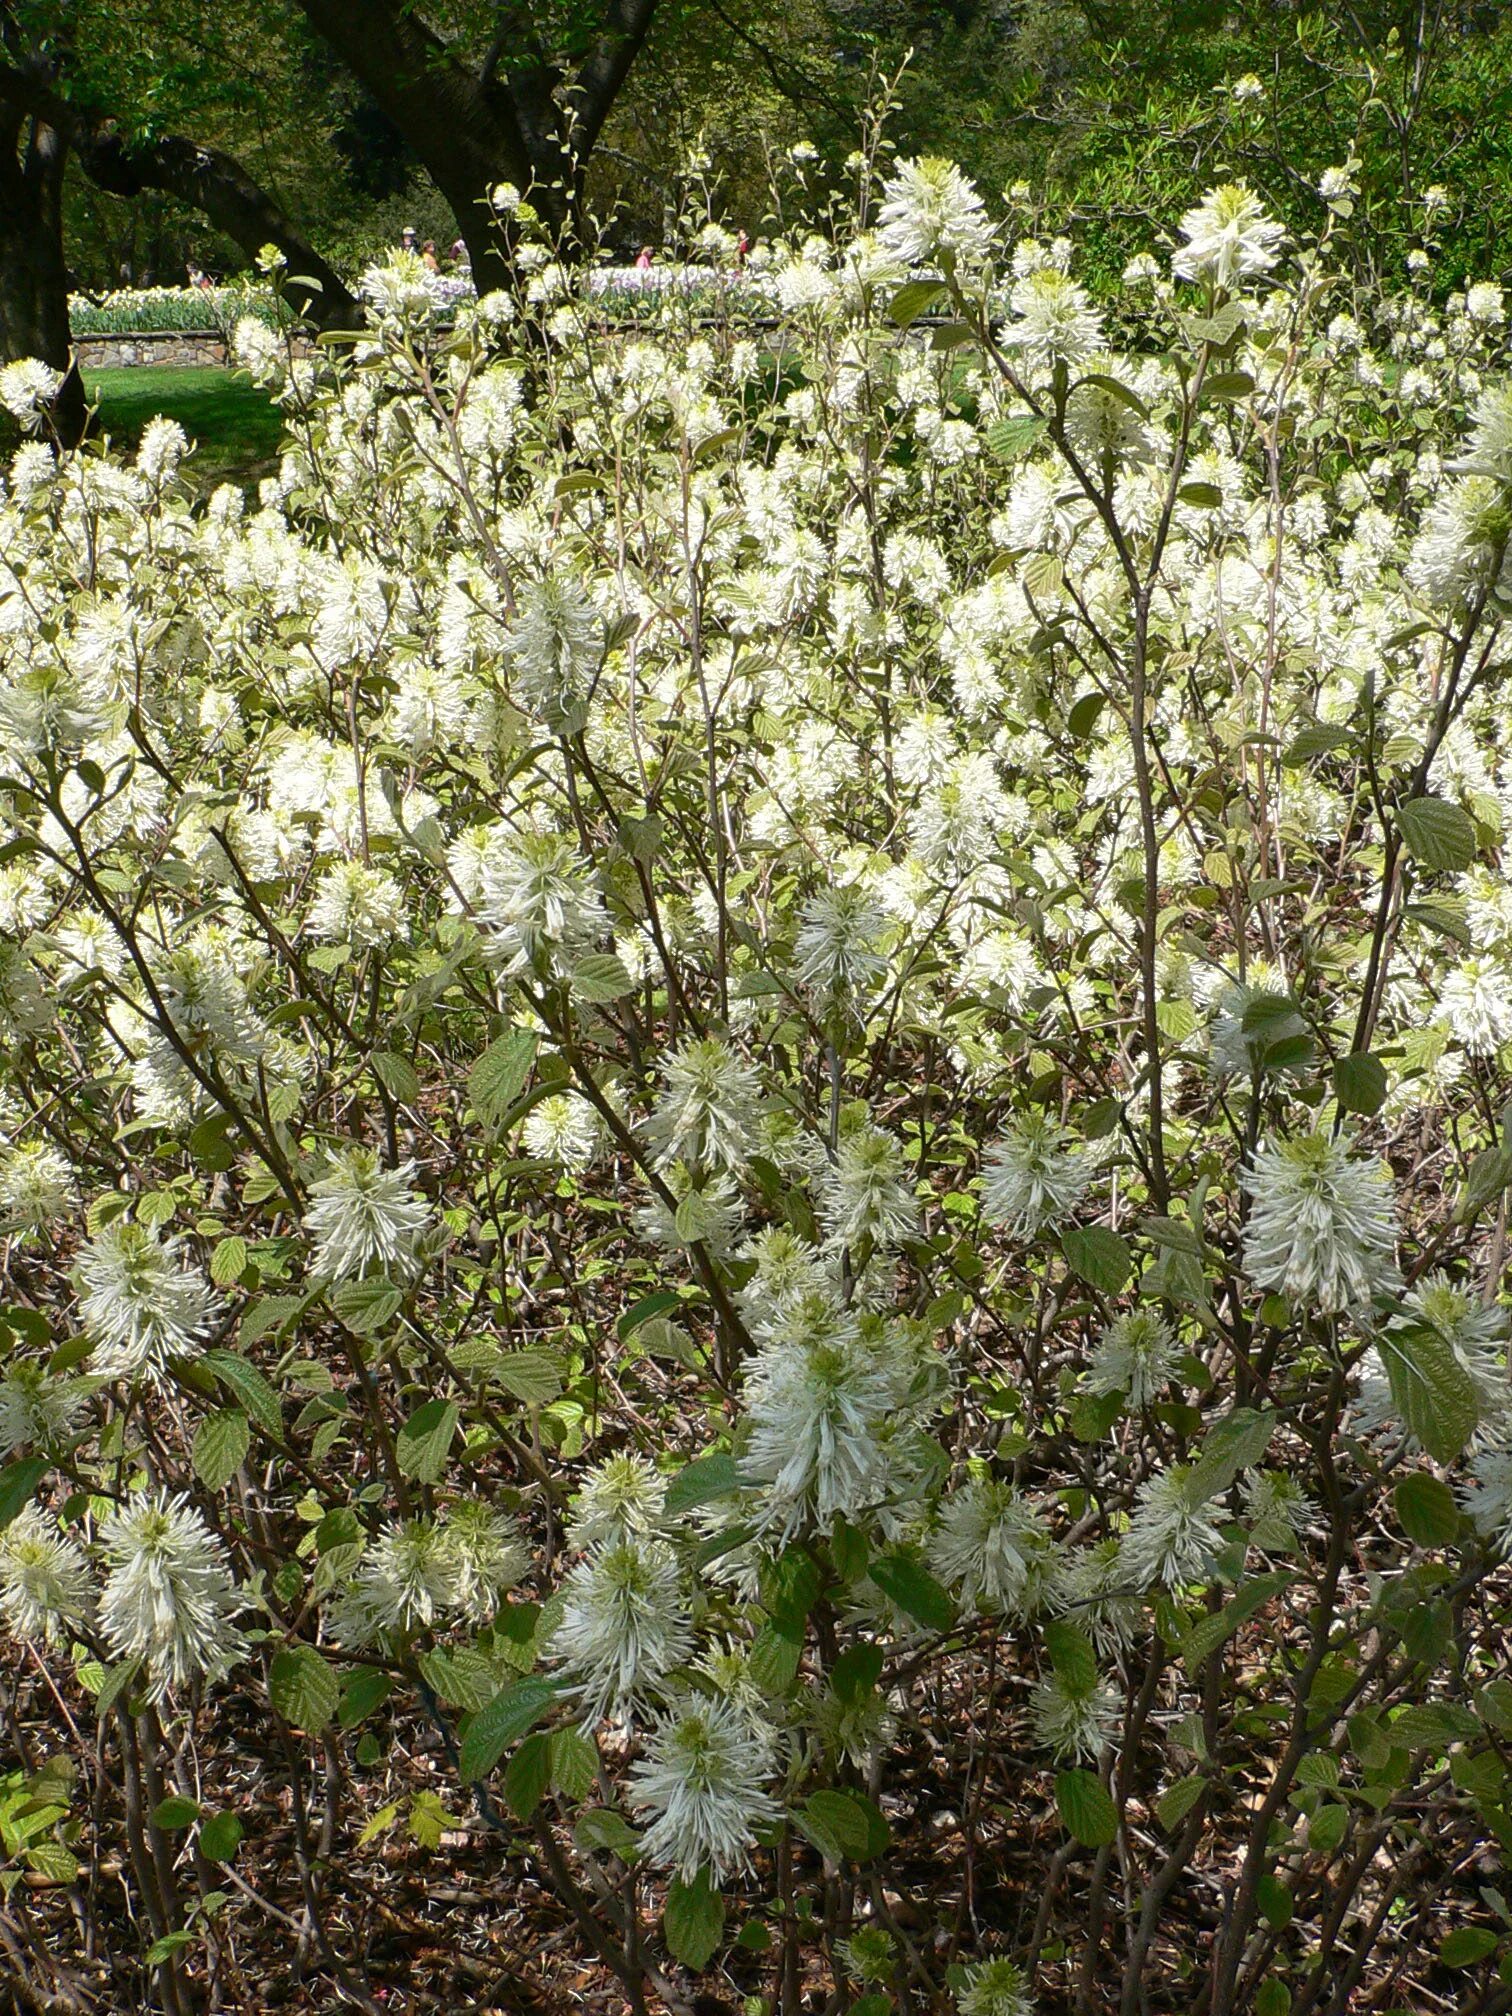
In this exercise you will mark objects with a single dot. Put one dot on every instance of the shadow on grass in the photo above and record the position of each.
(235, 427)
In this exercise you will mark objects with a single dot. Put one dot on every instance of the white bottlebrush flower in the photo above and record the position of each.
(701, 1778)
(406, 1581)
(1073, 1722)
(1032, 1177)
(564, 1129)
(364, 1217)
(537, 902)
(44, 1578)
(706, 1113)
(817, 1393)
(169, 1598)
(1229, 238)
(624, 1626)
(488, 1558)
(1487, 1496)
(37, 1409)
(1137, 1355)
(555, 644)
(1277, 1509)
(36, 1185)
(1172, 1537)
(27, 388)
(358, 906)
(994, 1988)
(1094, 1589)
(930, 211)
(864, 1196)
(1475, 999)
(1321, 1229)
(836, 952)
(621, 1501)
(994, 1548)
(1461, 548)
(1054, 321)
(141, 1303)
(787, 1269)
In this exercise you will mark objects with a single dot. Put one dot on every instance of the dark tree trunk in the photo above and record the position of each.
(33, 275)
(521, 117)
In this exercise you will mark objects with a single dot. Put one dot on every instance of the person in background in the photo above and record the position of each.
(742, 246)
(428, 254)
(198, 277)
(459, 254)
(643, 259)
(409, 239)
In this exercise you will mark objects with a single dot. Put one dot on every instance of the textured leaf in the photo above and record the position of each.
(424, 1442)
(913, 299)
(173, 1814)
(17, 1483)
(914, 1590)
(303, 1687)
(366, 1306)
(1098, 1256)
(713, 1476)
(1360, 1083)
(510, 1714)
(693, 1921)
(249, 1386)
(1086, 1808)
(528, 1775)
(602, 976)
(498, 1077)
(533, 1377)
(1439, 835)
(1433, 1392)
(220, 1447)
(220, 1837)
(1426, 1510)
(229, 1261)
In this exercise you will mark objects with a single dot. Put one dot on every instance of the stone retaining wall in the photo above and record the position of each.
(167, 346)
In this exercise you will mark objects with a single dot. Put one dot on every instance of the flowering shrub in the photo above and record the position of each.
(768, 1090)
(148, 311)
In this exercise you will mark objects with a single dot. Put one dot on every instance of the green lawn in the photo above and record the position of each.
(236, 427)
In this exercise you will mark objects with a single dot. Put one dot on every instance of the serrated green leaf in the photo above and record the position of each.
(17, 1483)
(1468, 1946)
(1439, 835)
(498, 1077)
(424, 1442)
(173, 1814)
(1360, 1083)
(303, 1687)
(397, 1076)
(220, 1447)
(249, 1386)
(914, 1590)
(1177, 1801)
(708, 1477)
(1086, 1808)
(366, 1306)
(534, 1378)
(1098, 1256)
(220, 1837)
(228, 1262)
(1426, 1510)
(913, 299)
(1434, 1394)
(693, 1921)
(511, 1714)
(601, 976)
(528, 1774)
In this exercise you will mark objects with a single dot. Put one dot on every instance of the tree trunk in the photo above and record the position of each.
(33, 275)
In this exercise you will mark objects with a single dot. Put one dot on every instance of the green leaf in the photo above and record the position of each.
(601, 976)
(228, 1262)
(1434, 1394)
(1467, 1946)
(1205, 1637)
(498, 1077)
(1360, 1083)
(249, 1386)
(1326, 1828)
(602, 1827)
(1317, 739)
(1275, 1901)
(844, 1826)
(17, 1483)
(709, 1477)
(1426, 1510)
(1226, 386)
(366, 1688)
(914, 1590)
(1071, 1655)
(913, 299)
(510, 1714)
(1016, 434)
(220, 1837)
(173, 1814)
(366, 1306)
(397, 1076)
(220, 1445)
(164, 1948)
(1177, 1801)
(1082, 718)
(528, 1774)
(1235, 1442)
(303, 1687)
(425, 1440)
(1086, 1808)
(693, 1921)
(656, 1304)
(1203, 496)
(856, 1672)
(534, 1378)
(1436, 1726)
(1098, 1257)
(1439, 835)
